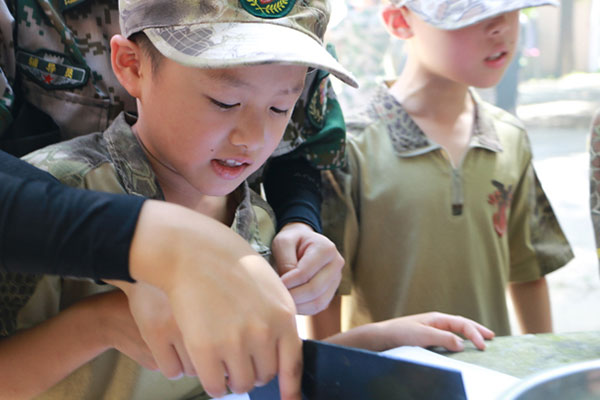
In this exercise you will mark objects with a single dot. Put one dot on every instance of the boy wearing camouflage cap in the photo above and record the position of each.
(216, 83)
(212, 107)
(56, 83)
(443, 207)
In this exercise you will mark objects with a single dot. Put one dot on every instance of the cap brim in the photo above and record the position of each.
(226, 45)
(462, 20)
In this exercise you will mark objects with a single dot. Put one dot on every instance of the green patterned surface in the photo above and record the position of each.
(524, 355)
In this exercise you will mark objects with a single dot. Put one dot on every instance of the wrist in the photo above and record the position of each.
(93, 324)
(297, 225)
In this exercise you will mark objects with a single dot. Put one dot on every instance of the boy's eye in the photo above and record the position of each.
(279, 111)
(223, 105)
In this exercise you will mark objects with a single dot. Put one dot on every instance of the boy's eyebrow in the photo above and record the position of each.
(231, 79)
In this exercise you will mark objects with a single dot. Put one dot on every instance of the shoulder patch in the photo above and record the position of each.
(67, 4)
(52, 70)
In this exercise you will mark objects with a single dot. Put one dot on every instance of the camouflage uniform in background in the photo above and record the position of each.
(595, 178)
(364, 46)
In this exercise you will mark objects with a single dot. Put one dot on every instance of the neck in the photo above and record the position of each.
(424, 94)
(178, 191)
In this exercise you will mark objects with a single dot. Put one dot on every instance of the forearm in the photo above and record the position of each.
(36, 359)
(369, 337)
(532, 305)
(326, 323)
(188, 240)
(75, 232)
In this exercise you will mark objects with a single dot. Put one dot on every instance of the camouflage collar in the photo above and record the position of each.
(407, 137)
(129, 159)
(137, 177)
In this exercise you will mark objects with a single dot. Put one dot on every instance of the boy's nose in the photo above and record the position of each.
(249, 133)
(497, 25)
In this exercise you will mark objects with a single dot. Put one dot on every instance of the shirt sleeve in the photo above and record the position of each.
(293, 189)
(537, 243)
(595, 177)
(48, 228)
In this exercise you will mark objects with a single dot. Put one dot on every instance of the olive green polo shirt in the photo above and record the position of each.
(114, 161)
(419, 234)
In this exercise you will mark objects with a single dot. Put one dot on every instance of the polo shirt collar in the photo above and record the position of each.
(409, 140)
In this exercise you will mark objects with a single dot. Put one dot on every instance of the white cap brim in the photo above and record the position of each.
(224, 45)
(451, 15)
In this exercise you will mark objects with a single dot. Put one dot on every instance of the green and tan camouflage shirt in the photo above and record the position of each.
(595, 178)
(113, 161)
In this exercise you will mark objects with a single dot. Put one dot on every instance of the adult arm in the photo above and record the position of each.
(213, 272)
(193, 258)
(74, 232)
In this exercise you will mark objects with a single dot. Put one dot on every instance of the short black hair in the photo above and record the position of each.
(149, 50)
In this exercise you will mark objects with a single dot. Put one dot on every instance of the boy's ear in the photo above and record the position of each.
(395, 22)
(126, 60)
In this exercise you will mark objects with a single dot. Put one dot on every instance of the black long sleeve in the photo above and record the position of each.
(49, 228)
(293, 189)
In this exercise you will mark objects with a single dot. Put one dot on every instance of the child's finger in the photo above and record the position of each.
(470, 329)
(314, 296)
(438, 337)
(285, 255)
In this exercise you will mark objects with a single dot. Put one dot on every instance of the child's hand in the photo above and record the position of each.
(117, 328)
(152, 313)
(433, 329)
(424, 330)
(309, 265)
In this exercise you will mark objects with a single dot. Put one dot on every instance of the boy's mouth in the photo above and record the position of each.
(497, 59)
(496, 56)
(228, 168)
(230, 163)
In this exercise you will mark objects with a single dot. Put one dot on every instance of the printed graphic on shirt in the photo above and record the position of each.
(51, 70)
(502, 199)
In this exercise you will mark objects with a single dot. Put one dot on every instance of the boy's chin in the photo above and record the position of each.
(487, 83)
(224, 190)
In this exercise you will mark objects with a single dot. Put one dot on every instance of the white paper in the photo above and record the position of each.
(234, 397)
(480, 383)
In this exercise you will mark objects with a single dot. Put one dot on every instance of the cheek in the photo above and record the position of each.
(272, 139)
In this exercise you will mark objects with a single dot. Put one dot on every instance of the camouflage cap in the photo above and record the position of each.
(229, 33)
(456, 14)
